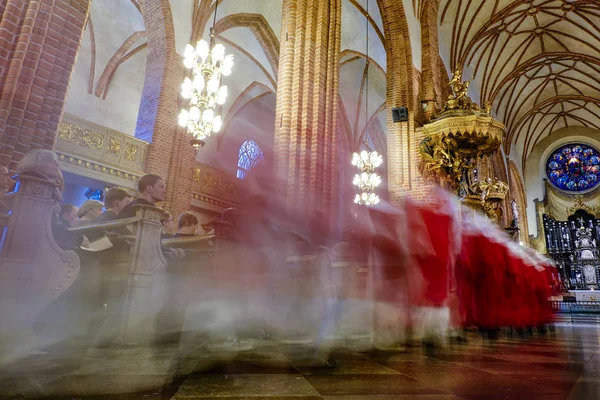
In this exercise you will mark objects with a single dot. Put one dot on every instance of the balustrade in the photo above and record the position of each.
(35, 271)
(146, 283)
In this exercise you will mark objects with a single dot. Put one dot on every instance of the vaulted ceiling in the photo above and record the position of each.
(536, 61)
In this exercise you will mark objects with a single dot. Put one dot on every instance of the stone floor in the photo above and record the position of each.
(561, 365)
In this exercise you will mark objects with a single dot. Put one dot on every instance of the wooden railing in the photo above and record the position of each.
(34, 270)
(146, 283)
(132, 272)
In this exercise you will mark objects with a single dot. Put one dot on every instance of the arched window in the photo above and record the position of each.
(250, 156)
(574, 167)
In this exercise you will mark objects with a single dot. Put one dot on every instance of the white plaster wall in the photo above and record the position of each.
(256, 122)
(516, 155)
(246, 71)
(270, 9)
(535, 168)
(245, 39)
(354, 26)
(182, 22)
(414, 31)
(354, 33)
(114, 21)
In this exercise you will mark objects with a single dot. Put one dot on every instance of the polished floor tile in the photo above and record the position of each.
(337, 385)
(245, 386)
(350, 367)
(564, 365)
(397, 397)
(94, 385)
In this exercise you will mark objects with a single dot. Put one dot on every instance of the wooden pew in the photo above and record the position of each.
(134, 274)
(34, 270)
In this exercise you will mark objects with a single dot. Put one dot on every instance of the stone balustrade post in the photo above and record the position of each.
(146, 287)
(34, 270)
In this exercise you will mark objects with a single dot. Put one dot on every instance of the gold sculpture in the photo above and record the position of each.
(80, 136)
(487, 107)
(459, 98)
(131, 151)
(456, 142)
(580, 205)
(114, 146)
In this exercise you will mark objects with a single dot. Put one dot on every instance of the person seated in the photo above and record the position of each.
(67, 215)
(89, 212)
(168, 225)
(187, 225)
(115, 200)
(65, 219)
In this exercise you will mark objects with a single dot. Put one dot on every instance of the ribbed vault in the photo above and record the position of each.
(536, 61)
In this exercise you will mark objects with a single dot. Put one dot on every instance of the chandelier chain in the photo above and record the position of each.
(367, 79)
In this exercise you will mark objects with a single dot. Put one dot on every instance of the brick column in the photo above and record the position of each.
(431, 81)
(307, 102)
(169, 155)
(400, 93)
(39, 43)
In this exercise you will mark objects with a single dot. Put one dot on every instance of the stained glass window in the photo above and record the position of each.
(249, 156)
(574, 167)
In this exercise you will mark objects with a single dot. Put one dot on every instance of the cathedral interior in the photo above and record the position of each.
(300, 199)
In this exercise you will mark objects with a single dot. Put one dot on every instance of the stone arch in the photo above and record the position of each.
(122, 54)
(92, 77)
(517, 192)
(261, 29)
(239, 104)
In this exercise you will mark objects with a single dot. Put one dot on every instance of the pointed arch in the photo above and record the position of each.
(239, 104)
(261, 29)
(116, 60)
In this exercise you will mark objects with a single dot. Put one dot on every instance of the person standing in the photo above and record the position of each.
(153, 190)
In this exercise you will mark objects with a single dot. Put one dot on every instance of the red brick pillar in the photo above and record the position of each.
(169, 155)
(39, 43)
(401, 91)
(431, 81)
(307, 104)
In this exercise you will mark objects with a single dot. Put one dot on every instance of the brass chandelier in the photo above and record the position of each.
(366, 180)
(367, 162)
(209, 64)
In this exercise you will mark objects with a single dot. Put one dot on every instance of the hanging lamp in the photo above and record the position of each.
(205, 92)
(367, 161)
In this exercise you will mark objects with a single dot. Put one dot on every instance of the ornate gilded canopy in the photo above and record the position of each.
(456, 148)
